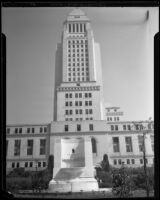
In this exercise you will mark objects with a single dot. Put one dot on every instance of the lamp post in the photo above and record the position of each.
(141, 128)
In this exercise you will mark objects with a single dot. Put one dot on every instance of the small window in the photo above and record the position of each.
(124, 127)
(41, 129)
(66, 95)
(78, 127)
(115, 162)
(39, 164)
(116, 127)
(8, 130)
(13, 165)
(26, 164)
(128, 161)
(119, 162)
(133, 161)
(16, 130)
(66, 128)
(112, 128)
(91, 127)
(20, 130)
(32, 130)
(129, 127)
(141, 161)
(44, 164)
(30, 164)
(17, 164)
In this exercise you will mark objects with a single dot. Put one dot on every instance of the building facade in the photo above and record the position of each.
(79, 113)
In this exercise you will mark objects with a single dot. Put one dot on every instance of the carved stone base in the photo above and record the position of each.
(75, 185)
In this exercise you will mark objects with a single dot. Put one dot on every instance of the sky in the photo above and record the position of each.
(125, 36)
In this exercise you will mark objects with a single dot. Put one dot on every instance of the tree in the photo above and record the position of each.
(121, 183)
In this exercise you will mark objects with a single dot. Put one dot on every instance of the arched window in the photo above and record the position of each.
(94, 145)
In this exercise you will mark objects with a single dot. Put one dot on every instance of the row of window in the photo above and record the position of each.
(127, 127)
(128, 161)
(77, 41)
(66, 127)
(73, 50)
(115, 118)
(78, 79)
(78, 64)
(76, 27)
(79, 111)
(29, 130)
(78, 74)
(85, 46)
(78, 69)
(29, 164)
(78, 55)
(17, 147)
(78, 103)
(128, 141)
(79, 119)
(78, 95)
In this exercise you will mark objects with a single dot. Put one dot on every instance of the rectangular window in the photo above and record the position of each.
(140, 142)
(32, 130)
(90, 103)
(129, 127)
(91, 127)
(44, 164)
(115, 144)
(86, 103)
(16, 130)
(80, 95)
(30, 147)
(66, 95)
(86, 95)
(42, 146)
(28, 130)
(39, 164)
(116, 127)
(115, 162)
(128, 161)
(124, 127)
(133, 161)
(112, 128)
(90, 111)
(69, 28)
(86, 111)
(66, 104)
(70, 103)
(78, 127)
(119, 162)
(17, 165)
(66, 112)
(41, 129)
(70, 112)
(20, 130)
(66, 128)
(17, 146)
(141, 161)
(80, 103)
(13, 165)
(76, 95)
(90, 95)
(128, 141)
(26, 164)
(8, 130)
(31, 164)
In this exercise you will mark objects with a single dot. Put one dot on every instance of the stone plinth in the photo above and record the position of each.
(73, 179)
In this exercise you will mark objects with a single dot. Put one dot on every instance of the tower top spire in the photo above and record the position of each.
(76, 12)
(77, 15)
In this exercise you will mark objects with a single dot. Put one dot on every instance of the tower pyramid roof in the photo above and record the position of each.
(77, 11)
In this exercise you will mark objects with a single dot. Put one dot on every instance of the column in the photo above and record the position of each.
(88, 156)
(57, 156)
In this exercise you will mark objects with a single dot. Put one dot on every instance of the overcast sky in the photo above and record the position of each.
(126, 41)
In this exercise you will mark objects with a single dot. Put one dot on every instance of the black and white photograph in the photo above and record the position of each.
(80, 101)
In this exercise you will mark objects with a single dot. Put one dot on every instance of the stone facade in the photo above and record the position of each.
(80, 128)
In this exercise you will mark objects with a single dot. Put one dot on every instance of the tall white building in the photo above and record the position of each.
(83, 130)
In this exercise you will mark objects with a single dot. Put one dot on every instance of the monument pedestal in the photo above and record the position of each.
(73, 179)
(75, 185)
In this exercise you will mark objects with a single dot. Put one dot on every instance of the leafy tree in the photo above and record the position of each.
(121, 183)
